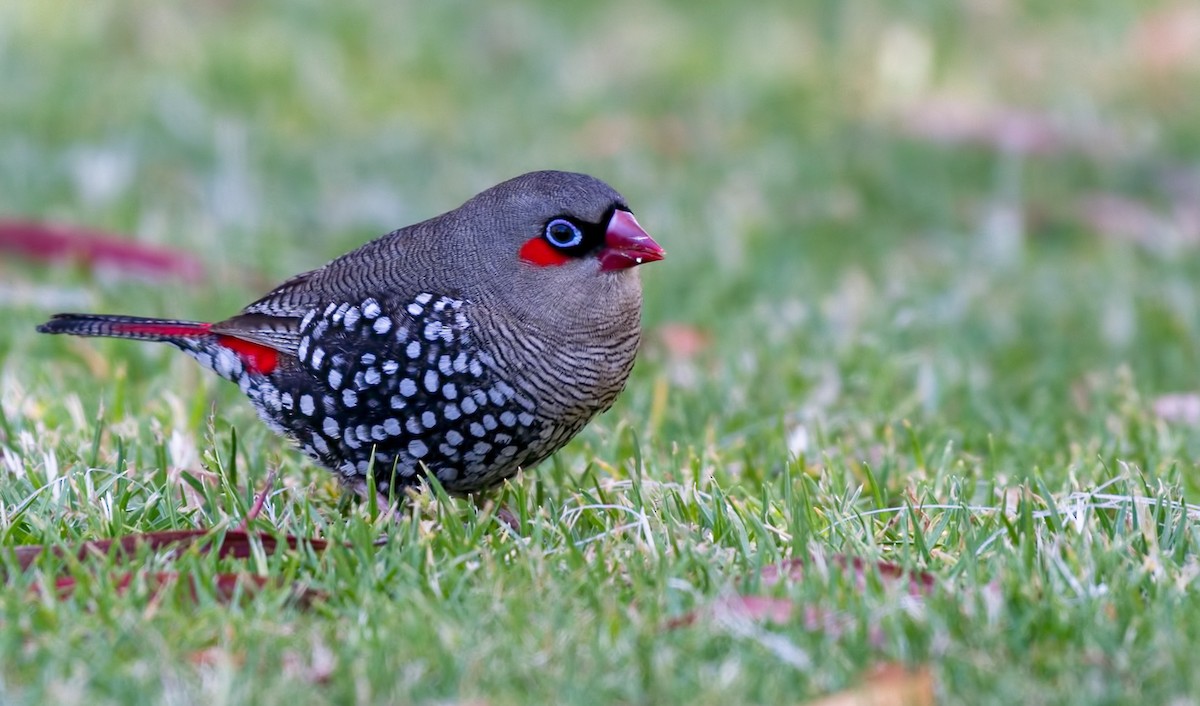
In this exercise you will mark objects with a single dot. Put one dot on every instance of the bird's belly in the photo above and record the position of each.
(392, 398)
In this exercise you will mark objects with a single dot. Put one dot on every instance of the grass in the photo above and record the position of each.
(921, 348)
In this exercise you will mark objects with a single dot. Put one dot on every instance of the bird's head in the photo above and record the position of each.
(560, 241)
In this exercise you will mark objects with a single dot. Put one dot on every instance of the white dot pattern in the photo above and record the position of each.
(390, 385)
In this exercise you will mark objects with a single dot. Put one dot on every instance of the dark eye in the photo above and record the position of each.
(563, 234)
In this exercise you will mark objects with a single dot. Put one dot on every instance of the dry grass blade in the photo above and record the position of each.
(58, 243)
(226, 587)
(890, 685)
(235, 545)
(782, 610)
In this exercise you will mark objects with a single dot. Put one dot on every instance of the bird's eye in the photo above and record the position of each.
(562, 233)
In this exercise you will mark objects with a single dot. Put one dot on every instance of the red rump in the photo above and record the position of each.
(538, 252)
(257, 358)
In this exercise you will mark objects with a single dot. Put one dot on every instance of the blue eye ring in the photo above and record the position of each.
(562, 233)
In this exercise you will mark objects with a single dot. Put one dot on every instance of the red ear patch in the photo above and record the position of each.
(538, 252)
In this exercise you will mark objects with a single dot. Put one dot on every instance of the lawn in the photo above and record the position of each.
(931, 303)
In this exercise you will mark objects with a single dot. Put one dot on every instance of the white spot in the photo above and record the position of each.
(392, 426)
(308, 318)
(367, 358)
(347, 468)
(477, 429)
(286, 400)
(390, 367)
(469, 406)
(508, 451)
(319, 444)
(408, 388)
(460, 362)
(331, 427)
(363, 466)
(449, 391)
(382, 325)
(444, 365)
(413, 425)
(318, 357)
(489, 422)
(431, 380)
(454, 437)
(349, 397)
(496, 396)
(414, 349)
(335, 379)
(340, 312)
(417, 448)
(416, 309)
(329, 309)
(526, 419)
(362, 432)
(396, 402)
(270, 397)
(372, 376)
(433, 330)
(476, 367)
(424, 298)
(429, 419)
(482, 447)
(370, 308)
(378, 433)
(508, 419)
(302, 350)
(451, 412)
(224, 363)
(349, 439)
(306, 405)
(352, 317)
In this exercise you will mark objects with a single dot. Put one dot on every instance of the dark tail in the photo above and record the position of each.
(136, 327)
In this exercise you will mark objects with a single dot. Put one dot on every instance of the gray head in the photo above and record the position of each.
(557, 246)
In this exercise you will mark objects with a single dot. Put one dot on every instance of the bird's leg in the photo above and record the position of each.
(259, 501)
(364, 487)
(503, 514)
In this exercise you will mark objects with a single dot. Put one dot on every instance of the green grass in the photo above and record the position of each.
(918, 351)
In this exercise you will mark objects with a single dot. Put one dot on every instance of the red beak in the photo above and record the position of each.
(626, 244)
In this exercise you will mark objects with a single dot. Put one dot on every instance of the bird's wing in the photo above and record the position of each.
(279, 333)
(274, 319)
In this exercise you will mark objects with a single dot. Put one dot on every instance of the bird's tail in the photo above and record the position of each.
(136, 327)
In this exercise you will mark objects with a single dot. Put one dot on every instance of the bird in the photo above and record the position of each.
(465, 347)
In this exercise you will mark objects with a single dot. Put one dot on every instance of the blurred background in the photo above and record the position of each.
(980, 217)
